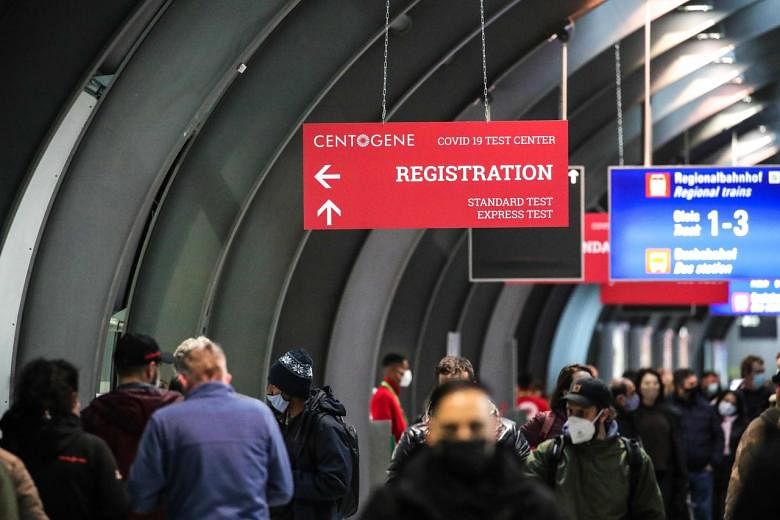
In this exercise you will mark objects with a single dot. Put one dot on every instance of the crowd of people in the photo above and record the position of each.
(649, 445)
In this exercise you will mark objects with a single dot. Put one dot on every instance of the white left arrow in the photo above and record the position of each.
(323, 177)
(330, 208)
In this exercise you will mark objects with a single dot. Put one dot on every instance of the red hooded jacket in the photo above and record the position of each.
(119, 418)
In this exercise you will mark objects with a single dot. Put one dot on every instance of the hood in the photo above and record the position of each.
(36, 439)
(772, 416)
(129, 409)
(322, 400)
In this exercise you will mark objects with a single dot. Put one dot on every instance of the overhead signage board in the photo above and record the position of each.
(664, 293)
(751, 297)
(499, 174)
(533, 254)
(694, 222)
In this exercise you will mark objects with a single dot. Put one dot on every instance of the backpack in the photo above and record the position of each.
(348, 504)
(633, 451)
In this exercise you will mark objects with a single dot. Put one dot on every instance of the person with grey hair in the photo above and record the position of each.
(216, 455)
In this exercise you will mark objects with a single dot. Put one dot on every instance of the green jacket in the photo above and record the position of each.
(592, 481)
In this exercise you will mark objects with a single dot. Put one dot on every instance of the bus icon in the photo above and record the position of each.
(774, 177)
(658, 261)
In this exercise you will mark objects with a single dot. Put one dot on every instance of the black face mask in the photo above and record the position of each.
(466, 459)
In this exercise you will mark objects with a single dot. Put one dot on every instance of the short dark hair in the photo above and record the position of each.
(746, 367)
(449, 365)
(680, 375)
(46, 386)
(452, 387)
(618, 387)
(525, 380)
(708, 373)
(393, 359)
(563, 384)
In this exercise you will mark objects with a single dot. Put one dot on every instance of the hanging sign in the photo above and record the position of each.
(435, 175)
(597, 252)
(751, 297)
(664, 293)
(694, 223)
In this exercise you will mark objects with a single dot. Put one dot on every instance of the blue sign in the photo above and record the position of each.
(750, 297)
(694, 223)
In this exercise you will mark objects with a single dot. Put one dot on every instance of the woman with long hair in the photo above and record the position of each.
(75, 472)
(734, 422)
(549, 424)
(659, 431)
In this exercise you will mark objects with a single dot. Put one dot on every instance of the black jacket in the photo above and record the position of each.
(508, 436)
(676, 494)
(74, 471)
(426, 489)
(319, 457)
(701, 432)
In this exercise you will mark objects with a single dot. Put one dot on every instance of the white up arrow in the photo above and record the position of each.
(323, 177)
(330, 208)
(573, 175)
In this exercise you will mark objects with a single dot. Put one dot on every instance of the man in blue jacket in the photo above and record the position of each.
(216, 455)
(702, 440)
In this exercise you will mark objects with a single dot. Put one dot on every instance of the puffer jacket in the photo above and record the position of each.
(592, 480)
(429, 489)
(25, 493)
(702, 435)
(753, 441)
(507, 436)
(320, 459)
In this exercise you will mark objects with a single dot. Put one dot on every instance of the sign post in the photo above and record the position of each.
(500, 174)
(694, 222)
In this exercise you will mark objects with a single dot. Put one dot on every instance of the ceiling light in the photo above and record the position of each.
(747, 99)
(762, 129)
(739, 80)
(728, 60)
(697, 7)
(709, 36)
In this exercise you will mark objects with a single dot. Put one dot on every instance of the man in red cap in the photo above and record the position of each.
(119, 417)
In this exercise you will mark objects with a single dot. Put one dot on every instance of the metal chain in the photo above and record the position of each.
(619, 102)
(384, 68)
(484, 60)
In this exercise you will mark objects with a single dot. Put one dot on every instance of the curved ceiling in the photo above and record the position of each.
(181, 199)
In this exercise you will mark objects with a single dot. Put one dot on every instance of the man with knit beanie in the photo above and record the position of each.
(312, 427)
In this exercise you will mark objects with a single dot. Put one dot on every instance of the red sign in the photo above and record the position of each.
(435, 175)
(596, 248)
(664, 293)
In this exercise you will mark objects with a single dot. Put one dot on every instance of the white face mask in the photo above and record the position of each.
(278, 402)
(581, 430)
(726, 408)
(406, 379)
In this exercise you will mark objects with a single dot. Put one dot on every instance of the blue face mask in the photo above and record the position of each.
(632, 403)
(759, 379)
(279, 403)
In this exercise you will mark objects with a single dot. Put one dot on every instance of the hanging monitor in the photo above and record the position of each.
(694, 222)
(533, 254)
